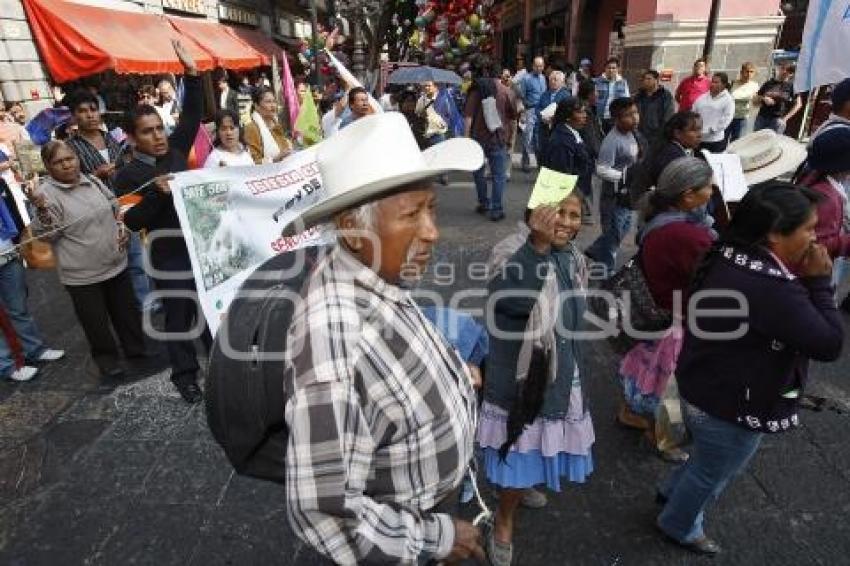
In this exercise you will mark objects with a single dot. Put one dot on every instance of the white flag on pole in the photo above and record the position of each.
(351, 81)
(823, 58)
(343, 72)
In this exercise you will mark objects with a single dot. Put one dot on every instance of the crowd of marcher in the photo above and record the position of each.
(645, 153)
(381, 403)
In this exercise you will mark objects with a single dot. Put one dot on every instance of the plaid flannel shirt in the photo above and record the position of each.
(381, 416)
(89, 156)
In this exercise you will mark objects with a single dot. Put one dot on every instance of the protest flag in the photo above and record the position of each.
(351, 81)
(822, 59)
(201, 149)
(307, 123)
(277, 84)
(40, 128)
(289, 93)
(346, 76)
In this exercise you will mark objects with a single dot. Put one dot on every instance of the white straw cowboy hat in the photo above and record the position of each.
(372, 158)
(766, 155)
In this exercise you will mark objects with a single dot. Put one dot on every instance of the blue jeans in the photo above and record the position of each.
(840, 271)
(735, 129)
(13, 299)
(497, 157)
(721, 450)
(615, 221)
(529, 136)
(136, 269)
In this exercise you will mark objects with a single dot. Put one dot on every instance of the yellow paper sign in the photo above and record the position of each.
(551, 187)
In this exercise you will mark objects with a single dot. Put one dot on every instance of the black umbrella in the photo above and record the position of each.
(419, 75)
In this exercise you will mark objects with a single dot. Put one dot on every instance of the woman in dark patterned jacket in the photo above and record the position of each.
(742, 371)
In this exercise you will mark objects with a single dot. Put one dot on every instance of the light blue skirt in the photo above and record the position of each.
(521, 470)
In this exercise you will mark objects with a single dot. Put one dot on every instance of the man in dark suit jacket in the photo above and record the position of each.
(227, 97)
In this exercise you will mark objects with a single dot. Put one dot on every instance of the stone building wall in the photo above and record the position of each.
(22, 76)
(675, 45)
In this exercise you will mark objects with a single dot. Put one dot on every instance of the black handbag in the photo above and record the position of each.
(627, 302)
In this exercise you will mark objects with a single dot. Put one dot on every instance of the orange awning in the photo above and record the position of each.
(227, 50)
(261, 43)
(77, 40)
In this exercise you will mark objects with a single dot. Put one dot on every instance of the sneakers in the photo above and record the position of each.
(50, 355)
(24, 373)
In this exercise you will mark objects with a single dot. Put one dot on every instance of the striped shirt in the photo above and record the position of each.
(91, 158)
(381, 417)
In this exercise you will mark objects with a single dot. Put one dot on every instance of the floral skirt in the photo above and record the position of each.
(646, 369)
(547, 451)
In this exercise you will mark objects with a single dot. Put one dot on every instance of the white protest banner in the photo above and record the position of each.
(823, 59)
(232, 218)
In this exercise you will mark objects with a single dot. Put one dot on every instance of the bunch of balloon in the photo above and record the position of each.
(308, 50)
(449, 32)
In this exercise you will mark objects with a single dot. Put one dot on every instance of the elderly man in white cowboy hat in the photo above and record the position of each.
(381, 411)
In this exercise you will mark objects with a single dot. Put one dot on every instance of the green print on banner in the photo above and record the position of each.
(205, 190)
(215, 232)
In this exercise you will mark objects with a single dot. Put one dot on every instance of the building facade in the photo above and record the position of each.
(666, 35)
(669, 35)
(561, 30)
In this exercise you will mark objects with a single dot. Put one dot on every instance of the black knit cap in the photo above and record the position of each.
(829, 151)
(840, 94)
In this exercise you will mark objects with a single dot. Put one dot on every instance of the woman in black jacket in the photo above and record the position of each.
(565, 150)
(741, 376)
(682, 138)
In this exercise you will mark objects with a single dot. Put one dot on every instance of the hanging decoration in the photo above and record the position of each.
(440, 33)
(447, 33)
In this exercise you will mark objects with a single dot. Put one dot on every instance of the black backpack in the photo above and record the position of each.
(244, 397)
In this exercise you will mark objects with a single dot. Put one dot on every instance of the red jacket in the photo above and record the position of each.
(830, 228)
(690, 89)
